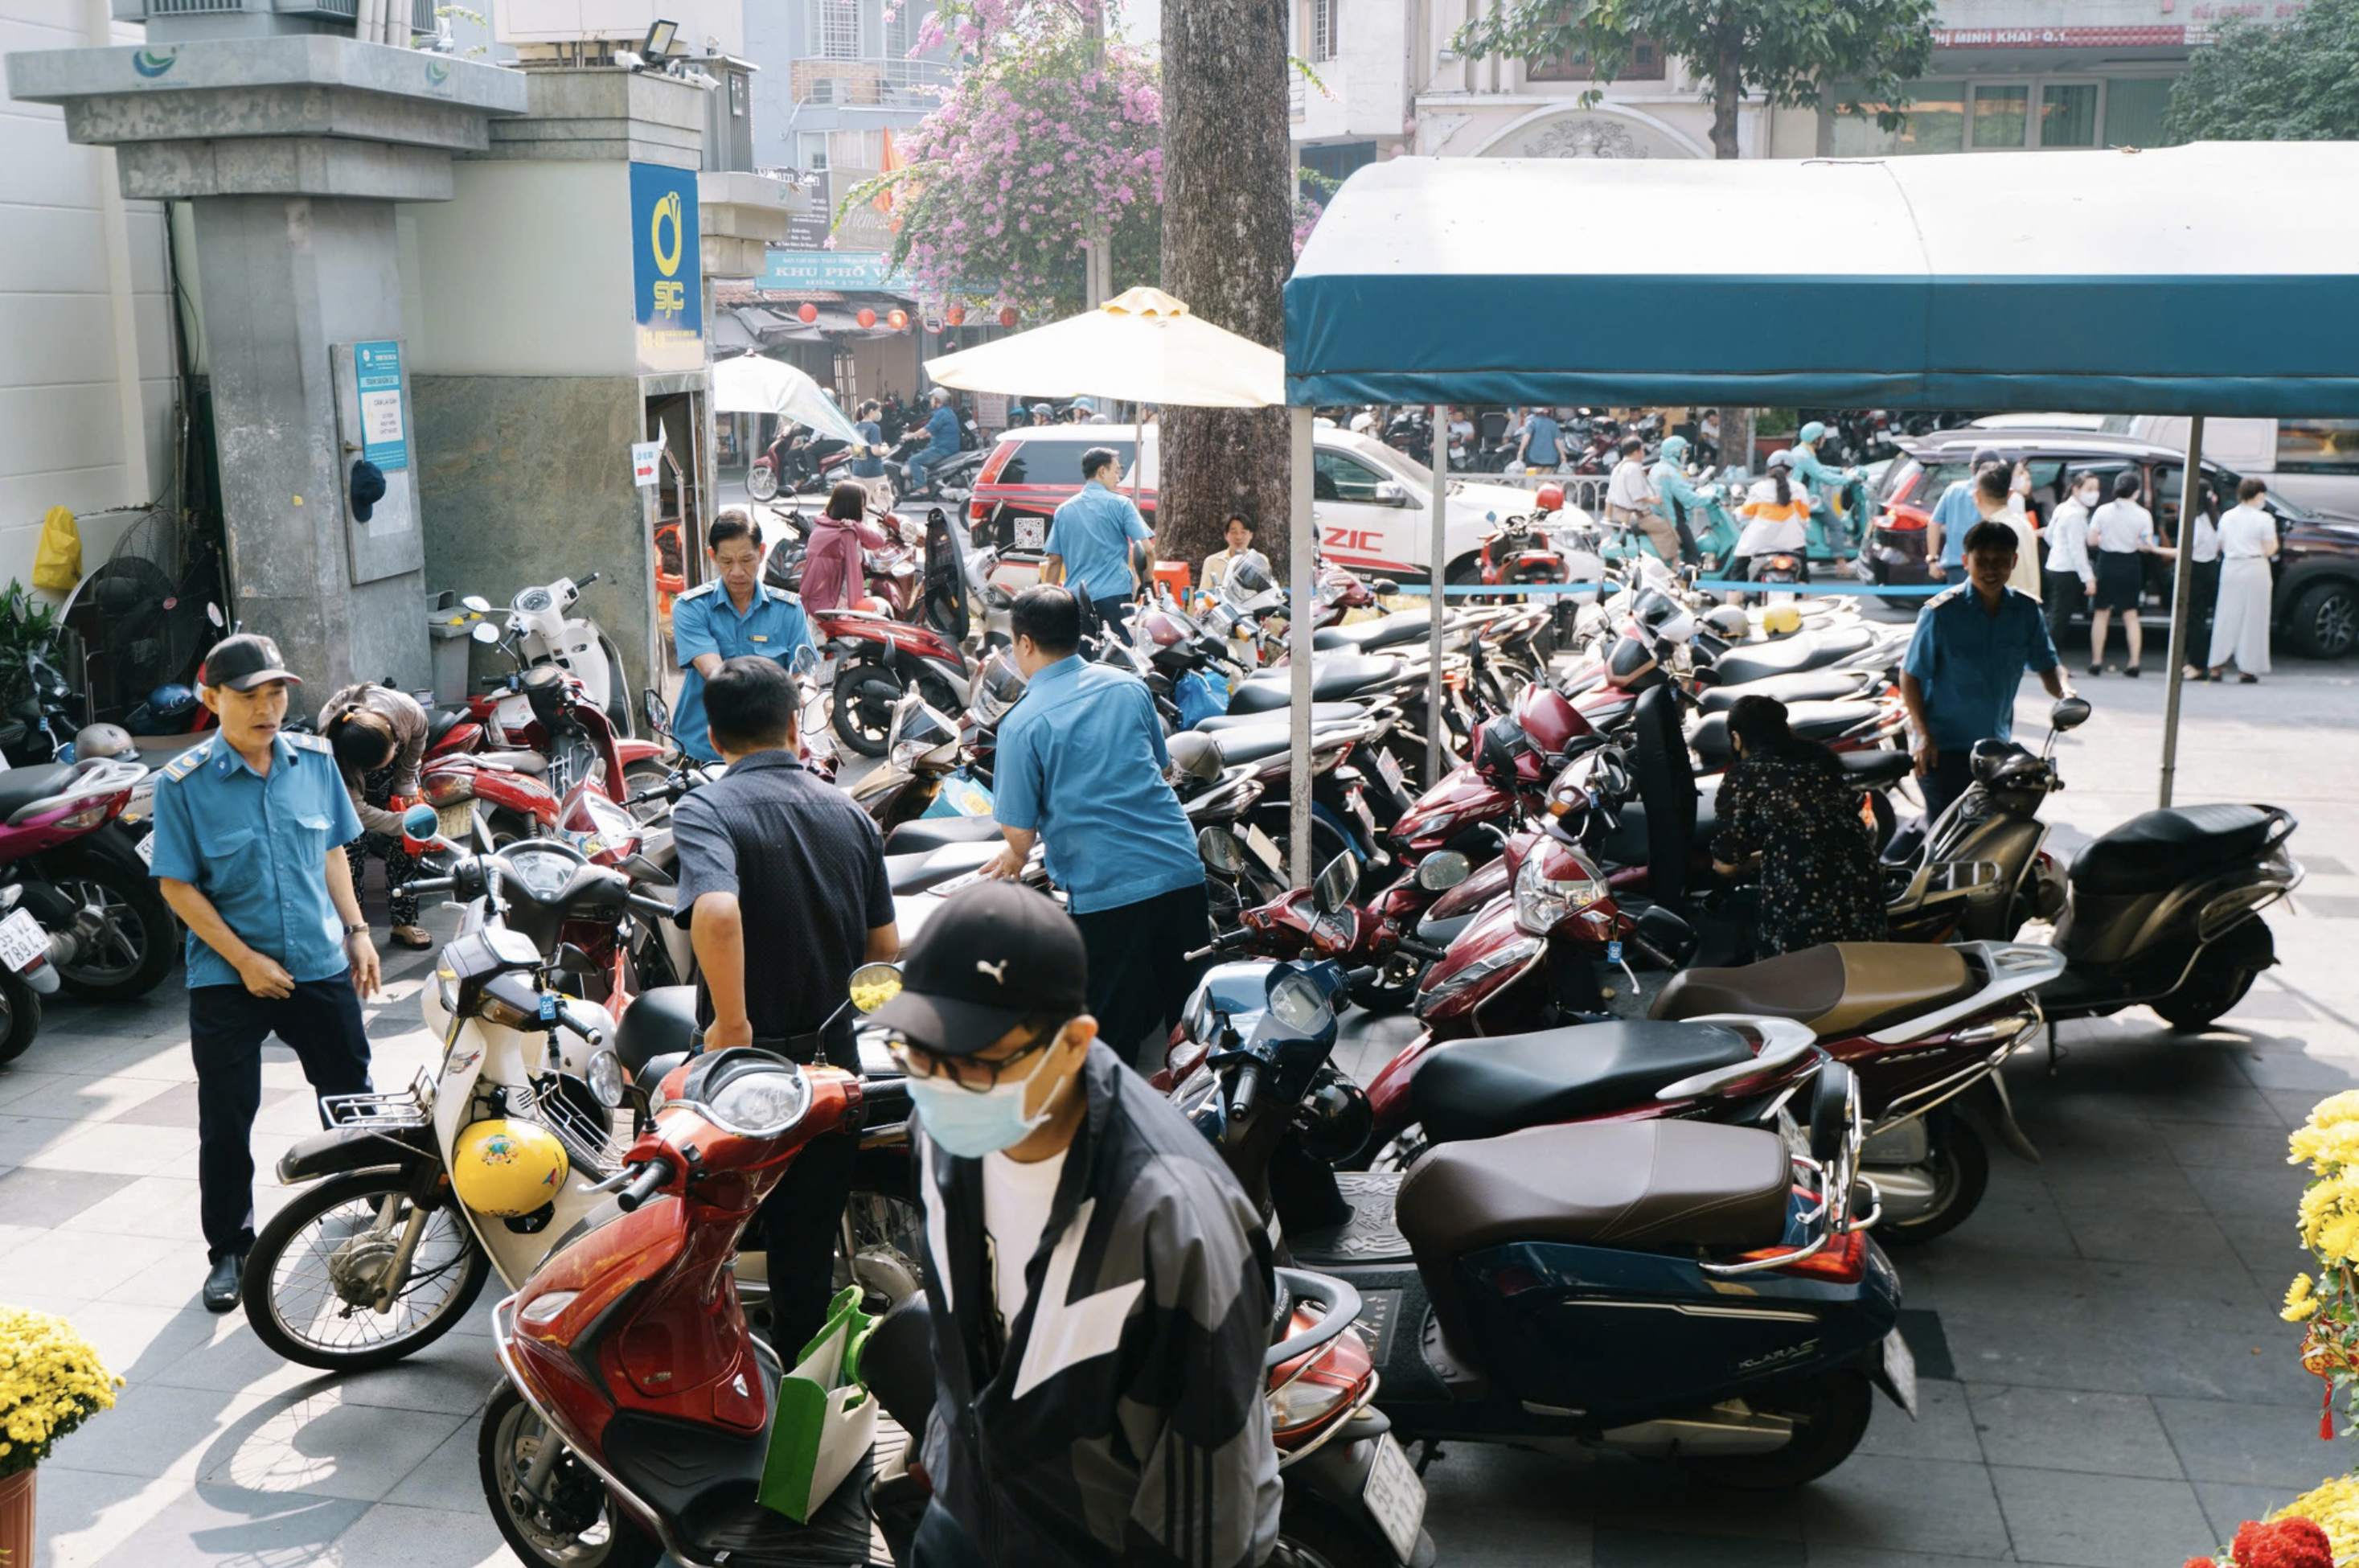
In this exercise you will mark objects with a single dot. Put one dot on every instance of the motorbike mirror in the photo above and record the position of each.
(214, 613)
(419, 828)
(1440, 871)
(1668, 934)
(804, 663)
(1332, 891)
(874, 985)
(1706, 676)
(658, 712)
(1220, 850)
(477, 603)
(1830, 1112)
(485, 633)
(2070, 713)
(1384, 586)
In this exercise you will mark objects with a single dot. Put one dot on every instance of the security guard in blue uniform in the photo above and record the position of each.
(250, 830)
(735, 616)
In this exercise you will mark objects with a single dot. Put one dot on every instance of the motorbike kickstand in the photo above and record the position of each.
(1428, 1451)
(2056, 1054)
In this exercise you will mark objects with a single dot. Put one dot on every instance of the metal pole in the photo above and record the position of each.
(1434, 599)
(2183, 580)
(1305, 577)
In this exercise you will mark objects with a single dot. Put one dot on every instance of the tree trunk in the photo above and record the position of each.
(1727, 94)
(1228, 245)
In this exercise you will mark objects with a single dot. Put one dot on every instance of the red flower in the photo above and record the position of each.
(2288, 1543)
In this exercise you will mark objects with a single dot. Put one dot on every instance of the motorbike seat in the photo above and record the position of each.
(2160, 850)
(1837, 988)
(1367, 636)
(20, 786)
(1882, 765)
(1261, 742)
(1810, 686)
(1333, 677)
(531, 762)
(1321, 713)
(1791, 657)
(1630, 1185)
(441, 722)
(923, 834)
(1814, 721)
(1481, 1088)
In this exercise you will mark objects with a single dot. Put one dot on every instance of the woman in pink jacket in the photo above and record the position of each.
(833, 577)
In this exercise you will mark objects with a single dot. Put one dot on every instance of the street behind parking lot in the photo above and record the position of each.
(2106, 1381)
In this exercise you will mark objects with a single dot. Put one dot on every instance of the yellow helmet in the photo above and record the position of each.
(1780, 619)
(506, 1168)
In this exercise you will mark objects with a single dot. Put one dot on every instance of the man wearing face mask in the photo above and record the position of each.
(1099, 1287)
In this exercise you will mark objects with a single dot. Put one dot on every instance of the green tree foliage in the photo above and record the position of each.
(1785, 49)
(2298, 83)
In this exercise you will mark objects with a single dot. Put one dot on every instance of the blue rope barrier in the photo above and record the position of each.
(1544, 590)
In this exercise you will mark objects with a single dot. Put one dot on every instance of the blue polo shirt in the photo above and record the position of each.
(1956, 512)
(705, 620)
(1092, 534)
(1969, 661)
(258, 847)
(1081, 762)
(1546, 448)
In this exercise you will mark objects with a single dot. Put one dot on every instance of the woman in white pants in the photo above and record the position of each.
(2240, 626)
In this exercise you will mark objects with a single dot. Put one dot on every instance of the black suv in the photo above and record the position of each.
(2317, 592)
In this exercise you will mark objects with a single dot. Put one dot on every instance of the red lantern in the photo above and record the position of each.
(897, 320)
(955, 316)
(867, 318)
(1007, 316)
(807, 312)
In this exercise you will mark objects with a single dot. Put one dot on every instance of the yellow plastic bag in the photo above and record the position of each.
(57, 562)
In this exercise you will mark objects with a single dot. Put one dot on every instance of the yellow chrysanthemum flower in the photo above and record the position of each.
(2301, 1306)
(50, 1382)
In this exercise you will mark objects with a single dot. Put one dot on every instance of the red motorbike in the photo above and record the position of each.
(637, 1411)
(511, 764)
(877, 658)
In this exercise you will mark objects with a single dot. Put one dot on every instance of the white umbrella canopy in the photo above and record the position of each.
(1141, 347)
(753, 385)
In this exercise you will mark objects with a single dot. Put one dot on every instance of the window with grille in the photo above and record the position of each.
(1646, 65)
(1322, 29)
(839, 29)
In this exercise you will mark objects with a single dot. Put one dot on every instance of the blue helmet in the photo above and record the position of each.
(1674, 447)
(1809, 435)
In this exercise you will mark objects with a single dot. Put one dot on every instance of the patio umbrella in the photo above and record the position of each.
(753, 385)
(1141, 347)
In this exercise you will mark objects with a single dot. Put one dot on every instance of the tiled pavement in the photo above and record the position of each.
(2106, 1380)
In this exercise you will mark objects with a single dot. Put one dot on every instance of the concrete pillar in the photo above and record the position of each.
(286, 278)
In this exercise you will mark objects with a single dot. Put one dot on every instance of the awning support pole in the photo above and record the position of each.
(1435, 601)
(1305, 574)
(2182, 592)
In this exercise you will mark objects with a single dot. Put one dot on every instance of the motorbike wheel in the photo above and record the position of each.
(125, 926)
(761, 482)
(645, 774)
(1830, 1414)
(575, 1524)
(1314, 1533)
(20, 1016)
(1961, 1172)
(2218, 983)
(865, 691)
(323, 1245)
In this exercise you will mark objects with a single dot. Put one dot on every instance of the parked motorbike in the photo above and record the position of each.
(543, 633)
(85, 878)
(1663, 1288)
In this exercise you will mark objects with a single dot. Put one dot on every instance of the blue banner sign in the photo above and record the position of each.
(846, 271)
(667, 287)
(376, 371)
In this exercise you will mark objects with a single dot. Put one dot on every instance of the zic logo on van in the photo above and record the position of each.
(152, 63)
(670, 296)
(1360, 539)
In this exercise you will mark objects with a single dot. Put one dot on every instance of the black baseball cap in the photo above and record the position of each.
(244, 662)
(368, 488)
(992, 955)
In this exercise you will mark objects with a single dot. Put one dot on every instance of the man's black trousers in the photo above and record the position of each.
(1139, 975)
(320, 1021)
(799, 1223)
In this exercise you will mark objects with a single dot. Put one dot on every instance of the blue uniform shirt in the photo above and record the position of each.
(1092, 534)
(1956, 512)
(258, 848)
(1545, 449)
(1081, 762)
(1969, 661)
(705, 620)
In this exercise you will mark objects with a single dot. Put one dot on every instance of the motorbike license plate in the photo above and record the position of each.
(1396, 1497)
(147, 847)
(1264, 849)
(1900, 1367)
(23, 943)
(1388, 768)
(1359, 809)
(455, 821)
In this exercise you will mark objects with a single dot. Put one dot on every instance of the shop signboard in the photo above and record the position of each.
(668, 294)
(843, 271)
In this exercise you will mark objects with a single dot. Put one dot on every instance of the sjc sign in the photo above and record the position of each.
(667, 291)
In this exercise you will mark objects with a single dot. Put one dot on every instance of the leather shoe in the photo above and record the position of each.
(222, 1283)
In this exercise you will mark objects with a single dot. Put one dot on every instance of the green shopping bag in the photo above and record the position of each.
(825, 1421)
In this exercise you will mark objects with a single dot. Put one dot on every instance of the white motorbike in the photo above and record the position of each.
(545, 634)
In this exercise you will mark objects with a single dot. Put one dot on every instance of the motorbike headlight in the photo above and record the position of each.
(1298, 1003)
(607, 1078)
(1541, 900)
(1517, 953)
(546, 1306)
(1428, 825)
(763, 1104)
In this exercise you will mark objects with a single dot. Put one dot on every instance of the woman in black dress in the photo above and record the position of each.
(1787, 804)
